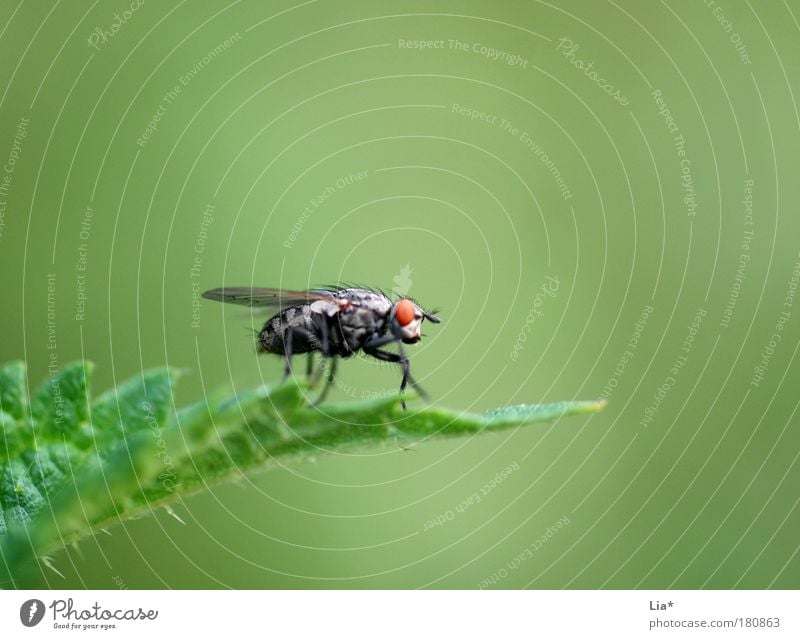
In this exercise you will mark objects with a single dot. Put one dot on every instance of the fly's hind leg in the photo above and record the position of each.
(328, 381)
(327, 358)
(288, 338)
(324, 348)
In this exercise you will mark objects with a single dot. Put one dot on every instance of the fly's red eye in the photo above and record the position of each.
(404, 312)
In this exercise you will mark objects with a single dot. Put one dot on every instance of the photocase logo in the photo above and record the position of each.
(31, 612)
(69, 617)
(403, 281)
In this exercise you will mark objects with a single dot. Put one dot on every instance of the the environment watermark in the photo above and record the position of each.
(674, 371)
(527, 553)
(318, 200)
(547, 290)
(569, 50)
(473, 113)
(689, 198)
(53, 367)
(627, 354)
(744, 255)
(475, 498)
(170, 97)
(102, 35)
(528, 142)
(776, 337)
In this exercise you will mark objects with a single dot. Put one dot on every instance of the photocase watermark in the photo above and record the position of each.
(687, 180)
(784, 316)
(184, 80)
(167, 477)
(473, 499)
(744, 255)
(627, 354)
(502, 573)
(569, 49)
(476, 48)
(101, 36)
(548, 289)
(81, 264)
(674, 371)
(727, 27)
(206, 220)
(10, 164)
(318, 200)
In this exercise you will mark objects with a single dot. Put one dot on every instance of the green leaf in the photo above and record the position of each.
(70, 467)
(13, 398)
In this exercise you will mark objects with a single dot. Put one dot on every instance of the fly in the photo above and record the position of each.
(336, 322)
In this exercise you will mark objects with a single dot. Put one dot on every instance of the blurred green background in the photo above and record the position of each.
(637, 159)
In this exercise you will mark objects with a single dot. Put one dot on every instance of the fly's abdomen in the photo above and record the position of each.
(272, 338)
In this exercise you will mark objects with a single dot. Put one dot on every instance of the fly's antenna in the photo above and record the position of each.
(432, 316)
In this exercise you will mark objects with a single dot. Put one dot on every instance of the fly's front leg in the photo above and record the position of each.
(401, 359)
(374, 342)
(407, 374)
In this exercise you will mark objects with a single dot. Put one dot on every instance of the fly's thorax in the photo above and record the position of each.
(329, 307)
(361, 315)
(359, 323)
(363, 298)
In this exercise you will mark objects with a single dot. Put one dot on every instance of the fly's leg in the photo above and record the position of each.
(324, 346)
(407, 374)
(287, 349)
(309, 365)
(371, 347)
(374, 342)
(401, 359)
(328, 381)
(288, 336)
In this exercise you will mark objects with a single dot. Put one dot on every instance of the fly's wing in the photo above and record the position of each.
(266, 297)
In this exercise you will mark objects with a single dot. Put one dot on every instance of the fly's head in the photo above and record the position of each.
(407, 318)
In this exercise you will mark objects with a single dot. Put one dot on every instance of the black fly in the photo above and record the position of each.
(337, 322)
